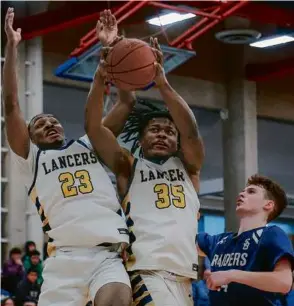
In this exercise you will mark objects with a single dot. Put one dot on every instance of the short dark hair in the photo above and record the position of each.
(34, 252)
(273, 192)
(14, 251)
(29, 299)
(32, 270)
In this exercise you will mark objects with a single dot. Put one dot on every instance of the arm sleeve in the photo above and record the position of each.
(276, 245)
(26, 167)
(207, 243)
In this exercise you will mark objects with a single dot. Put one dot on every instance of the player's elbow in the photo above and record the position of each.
(285, 283)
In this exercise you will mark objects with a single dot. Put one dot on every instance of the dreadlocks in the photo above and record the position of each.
(142, 113)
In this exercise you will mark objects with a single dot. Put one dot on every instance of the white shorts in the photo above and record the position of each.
(160, 288)
(74, 275)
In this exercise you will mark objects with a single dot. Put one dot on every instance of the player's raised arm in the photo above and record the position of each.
(102, 139)
(17, 132)
(191, 143)
(117, 117)
(107, 32)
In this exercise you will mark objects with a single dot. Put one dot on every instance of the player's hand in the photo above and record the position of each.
(160, 78)
(102, 68)
(215, 280)
(106, 28)
(13, 37)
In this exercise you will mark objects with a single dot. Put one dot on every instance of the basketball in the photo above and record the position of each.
(131, 64)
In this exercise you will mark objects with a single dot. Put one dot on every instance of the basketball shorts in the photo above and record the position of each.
(160, 288)
(74, 275)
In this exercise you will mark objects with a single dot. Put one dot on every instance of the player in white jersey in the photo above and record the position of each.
(74, 196)
(159, 191)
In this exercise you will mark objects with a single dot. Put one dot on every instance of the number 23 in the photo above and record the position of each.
(68, 180)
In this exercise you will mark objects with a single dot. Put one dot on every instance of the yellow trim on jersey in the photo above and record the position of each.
(138, 300)
(125, 202)
(41, 210)
(141, 295)
(51, 249)
(33, 195)
(126, 206)
(45, 221)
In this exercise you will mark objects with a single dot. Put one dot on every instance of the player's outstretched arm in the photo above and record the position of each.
(191, 143)
(16, 129)
(107, 32)
(101, 138)
(116, 119)
(278, 281)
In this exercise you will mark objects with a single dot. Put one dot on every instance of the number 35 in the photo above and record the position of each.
(169, 194)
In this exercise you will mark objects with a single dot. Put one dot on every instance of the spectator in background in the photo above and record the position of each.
(28, 289)
(34, 262)
(29, 302)
(12, 271)
(7, 302)
(28, 247)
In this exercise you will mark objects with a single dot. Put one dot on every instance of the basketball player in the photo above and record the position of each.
(74, 197)
(253, 266)
(159, 191)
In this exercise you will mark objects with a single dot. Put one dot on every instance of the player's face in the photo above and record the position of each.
(47, 132)
(160, 138)
(252, 201)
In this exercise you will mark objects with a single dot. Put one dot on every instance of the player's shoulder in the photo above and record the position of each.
(84, 141)
(223, 237)
(178, 159)
(215, 239)
(274, 234)
(274, 230)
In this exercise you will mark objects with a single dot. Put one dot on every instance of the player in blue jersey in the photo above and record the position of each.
(253, 266)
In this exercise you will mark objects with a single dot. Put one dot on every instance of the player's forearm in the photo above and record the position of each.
(180, 111)
(10, 88)
(94, 106)
(118, 115)
(276, 281)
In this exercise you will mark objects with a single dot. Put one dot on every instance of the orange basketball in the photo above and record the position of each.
(131, 64)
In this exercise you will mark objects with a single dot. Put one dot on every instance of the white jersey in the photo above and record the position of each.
(161, 208)
(74, 195)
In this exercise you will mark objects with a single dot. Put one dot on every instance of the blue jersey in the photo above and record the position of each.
(257, 250)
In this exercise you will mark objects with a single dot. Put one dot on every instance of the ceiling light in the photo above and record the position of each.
(272, 41)
(169, 18)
